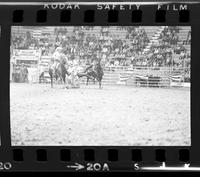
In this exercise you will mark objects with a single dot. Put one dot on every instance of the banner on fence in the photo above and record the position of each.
(176, 78)
(26, 55)
(173, 79)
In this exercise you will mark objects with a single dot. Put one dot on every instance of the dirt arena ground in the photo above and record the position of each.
(114, 115)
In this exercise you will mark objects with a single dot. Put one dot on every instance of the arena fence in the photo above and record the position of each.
(136, 76)
(146, 76)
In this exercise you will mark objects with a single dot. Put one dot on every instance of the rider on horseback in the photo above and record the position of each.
(57, 58)
(92, 65)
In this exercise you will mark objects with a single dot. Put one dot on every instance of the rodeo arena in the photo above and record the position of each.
(100, 86)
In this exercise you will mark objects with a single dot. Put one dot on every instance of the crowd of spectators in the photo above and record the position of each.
(166, 51)
(111, 47)
(27, 41)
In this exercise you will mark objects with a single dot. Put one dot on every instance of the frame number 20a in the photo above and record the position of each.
(97, 167)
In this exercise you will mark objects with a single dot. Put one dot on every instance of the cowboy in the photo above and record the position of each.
(56, 57)
(91, 66)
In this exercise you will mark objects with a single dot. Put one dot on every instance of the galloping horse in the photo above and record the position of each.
(98, 70)
(93, 72)
(90, 74)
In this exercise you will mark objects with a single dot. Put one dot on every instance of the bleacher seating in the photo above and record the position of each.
(111, 77)
(153, 34)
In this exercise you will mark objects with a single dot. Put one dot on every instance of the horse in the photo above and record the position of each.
(59, 71)
(90, 74)
(98, 70)
(93, 72)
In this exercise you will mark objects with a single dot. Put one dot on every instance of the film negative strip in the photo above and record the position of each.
(99, 86)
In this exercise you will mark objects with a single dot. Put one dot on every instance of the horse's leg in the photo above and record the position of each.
(51, 76)
(66, 82)
(87, 80)
(39, 79)
(56, 77)
(100, 84)
(43, 77)
(63, 79)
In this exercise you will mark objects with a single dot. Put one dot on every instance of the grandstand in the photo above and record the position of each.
(112, 76)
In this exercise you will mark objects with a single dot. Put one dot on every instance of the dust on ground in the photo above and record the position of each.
(114, 115)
